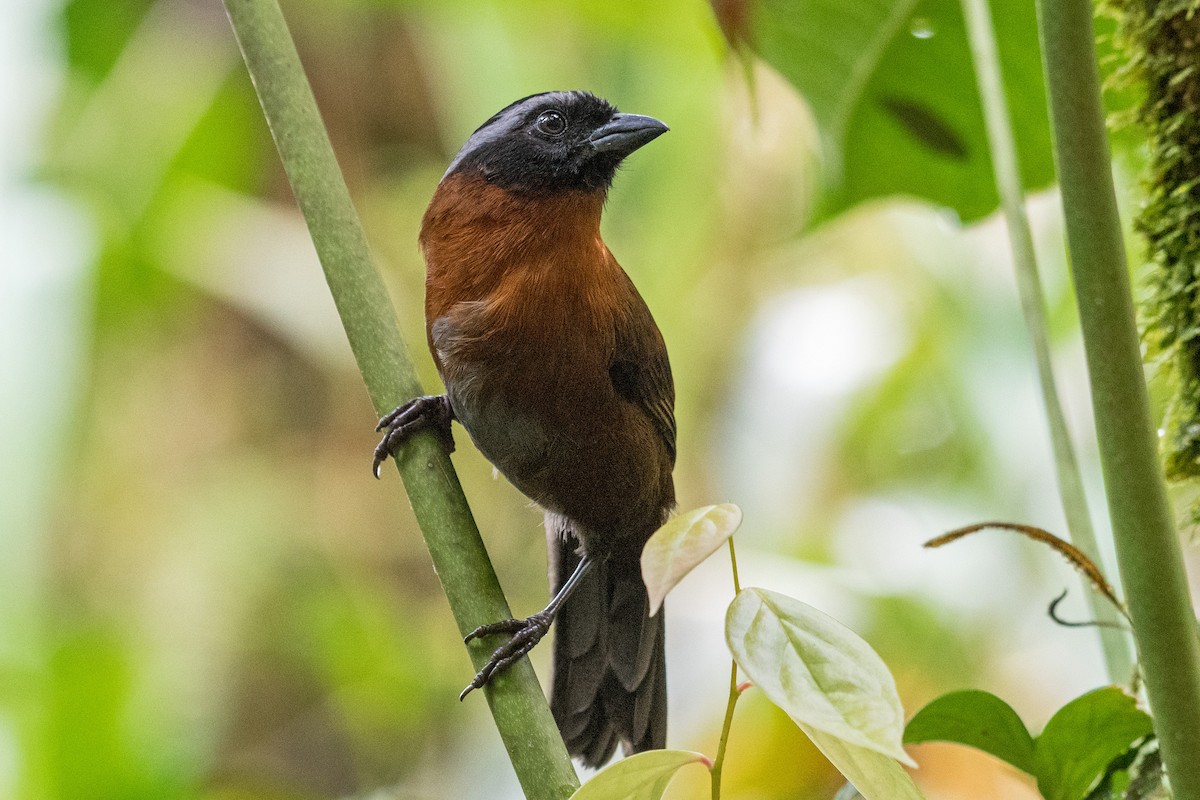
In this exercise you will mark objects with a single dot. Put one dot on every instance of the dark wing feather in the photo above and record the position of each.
(641, 372)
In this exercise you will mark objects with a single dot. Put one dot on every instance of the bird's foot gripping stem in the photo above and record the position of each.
(526, 633)
(431, 411)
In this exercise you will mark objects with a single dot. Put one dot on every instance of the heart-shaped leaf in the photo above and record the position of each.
(817, 670)
(874, 775)
(1082, 743)
(640, 777)
(1083, 738)
(976, 719)
(678, 546)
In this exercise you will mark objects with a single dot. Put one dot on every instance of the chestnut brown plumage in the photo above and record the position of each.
(555, 367)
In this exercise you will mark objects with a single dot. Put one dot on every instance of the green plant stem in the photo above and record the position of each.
(737, 585)
(719, 761)
(982, 36)
(522, 716)
(1148, 550)
(734, 694)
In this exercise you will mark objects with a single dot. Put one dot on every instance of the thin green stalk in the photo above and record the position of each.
(522, 716)
(737, 585)
(734, 694)
(719, 761)
(982, 37)
(1148, 550)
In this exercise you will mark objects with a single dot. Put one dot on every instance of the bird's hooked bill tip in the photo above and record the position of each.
(625, 133)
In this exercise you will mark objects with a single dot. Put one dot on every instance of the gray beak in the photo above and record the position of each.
(625, 133)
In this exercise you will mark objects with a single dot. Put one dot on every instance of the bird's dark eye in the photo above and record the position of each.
(551, 123)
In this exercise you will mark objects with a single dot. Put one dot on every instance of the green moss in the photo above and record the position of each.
(1162, 42)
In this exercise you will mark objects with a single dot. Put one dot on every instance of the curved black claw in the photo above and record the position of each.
(431, 411)
(526, 633)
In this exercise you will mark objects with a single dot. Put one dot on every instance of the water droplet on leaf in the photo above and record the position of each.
(922, 28)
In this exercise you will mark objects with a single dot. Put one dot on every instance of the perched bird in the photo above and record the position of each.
(555, 367)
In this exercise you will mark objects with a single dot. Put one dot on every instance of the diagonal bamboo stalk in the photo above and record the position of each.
(522, 716)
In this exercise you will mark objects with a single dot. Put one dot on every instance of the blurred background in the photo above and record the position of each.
(205, 593)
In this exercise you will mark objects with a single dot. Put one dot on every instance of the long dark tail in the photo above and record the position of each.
(610, 675)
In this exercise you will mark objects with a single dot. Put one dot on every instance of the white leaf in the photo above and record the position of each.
(876, 776)
(640, 777)
(817, 670)
(683, 542)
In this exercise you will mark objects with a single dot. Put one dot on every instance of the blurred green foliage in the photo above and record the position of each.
(892, 86)
(218, 602)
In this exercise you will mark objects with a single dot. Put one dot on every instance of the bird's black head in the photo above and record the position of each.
(554, 141)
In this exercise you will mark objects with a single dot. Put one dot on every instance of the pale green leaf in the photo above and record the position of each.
(640, 777)
(876, 776)
(678, 546)
(817, 670)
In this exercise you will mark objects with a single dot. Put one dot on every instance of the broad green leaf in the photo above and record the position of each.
(677, 547)
(976, 719)
(817, 670)
(1081, 740)
(876, 776)
(893, 90)
(640, 777)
